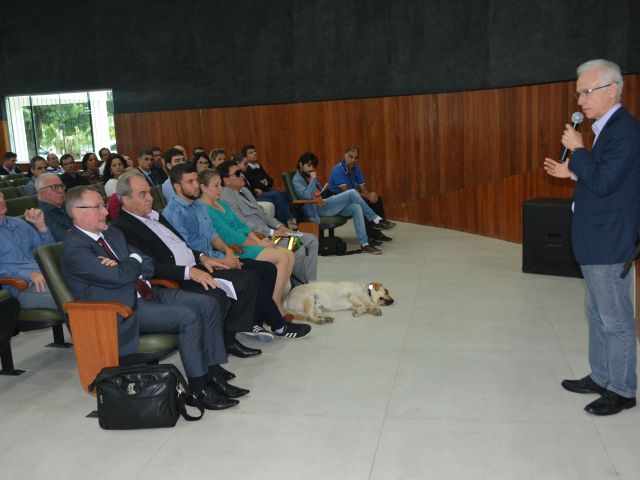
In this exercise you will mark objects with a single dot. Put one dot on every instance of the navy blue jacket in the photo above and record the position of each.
(606, 217)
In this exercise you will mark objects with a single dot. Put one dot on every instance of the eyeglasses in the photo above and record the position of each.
(54, 187)
(96, 207)
(237, 173)
(587, 91)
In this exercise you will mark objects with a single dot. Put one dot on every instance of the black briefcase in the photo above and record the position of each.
(141, 396)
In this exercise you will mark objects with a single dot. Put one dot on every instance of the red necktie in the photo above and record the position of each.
(142, 288)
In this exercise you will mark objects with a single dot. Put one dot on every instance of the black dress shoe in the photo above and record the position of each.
(239, 350)
(211, 400)
(610, 403)
(584, 385)
(374, 242)
(223, 388)
(222, 373)
(381, 237)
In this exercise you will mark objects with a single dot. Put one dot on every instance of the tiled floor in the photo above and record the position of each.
(460, 379)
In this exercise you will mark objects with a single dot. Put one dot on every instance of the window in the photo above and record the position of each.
(74, 123)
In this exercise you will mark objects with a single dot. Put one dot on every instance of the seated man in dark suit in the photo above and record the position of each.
(50, 189)
(186, 214)
(99, 265)
(145, 230)
(8, 166)
(70, 178)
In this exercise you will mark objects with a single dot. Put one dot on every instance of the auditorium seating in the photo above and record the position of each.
(17, 206)
(9, 192)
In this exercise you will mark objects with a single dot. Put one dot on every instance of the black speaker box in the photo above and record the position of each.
(546, 238)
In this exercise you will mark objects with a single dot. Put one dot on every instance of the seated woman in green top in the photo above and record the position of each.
(233, 231)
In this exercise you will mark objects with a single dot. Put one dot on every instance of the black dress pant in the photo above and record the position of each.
(266, 309)
(377, 207)
(240, 314)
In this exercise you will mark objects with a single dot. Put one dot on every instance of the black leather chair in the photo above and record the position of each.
(9, 192)
(17, 206)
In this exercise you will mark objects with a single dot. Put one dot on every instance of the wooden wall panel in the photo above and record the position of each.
(464, 161)
(5, 143)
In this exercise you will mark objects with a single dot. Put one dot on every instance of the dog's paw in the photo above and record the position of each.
(376, 312)
(318, 320)
(328, 319)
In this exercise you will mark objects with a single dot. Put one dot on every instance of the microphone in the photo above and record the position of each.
(576, 120)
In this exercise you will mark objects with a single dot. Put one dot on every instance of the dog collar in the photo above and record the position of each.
(369, 288)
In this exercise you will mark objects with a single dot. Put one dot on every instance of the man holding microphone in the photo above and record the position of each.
(604, 229)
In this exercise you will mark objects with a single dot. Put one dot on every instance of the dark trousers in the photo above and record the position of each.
(9, 310)
(195, 318)
(266, 309)
(377, 207)
(241, 313)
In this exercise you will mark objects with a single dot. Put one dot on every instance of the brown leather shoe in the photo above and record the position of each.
(371, 249)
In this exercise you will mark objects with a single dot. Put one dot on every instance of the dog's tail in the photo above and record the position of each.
(295, 315)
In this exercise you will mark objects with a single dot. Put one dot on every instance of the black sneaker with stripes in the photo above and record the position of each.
(293, 330)
(260, 334)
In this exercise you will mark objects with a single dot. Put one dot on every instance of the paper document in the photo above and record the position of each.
(227, 287)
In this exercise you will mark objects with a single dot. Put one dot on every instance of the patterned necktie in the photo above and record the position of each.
(142, 288)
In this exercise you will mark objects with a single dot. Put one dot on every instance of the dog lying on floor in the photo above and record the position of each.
(310, 301)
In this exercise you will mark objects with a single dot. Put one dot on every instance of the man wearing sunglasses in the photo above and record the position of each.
(604, 229)
(51, 193)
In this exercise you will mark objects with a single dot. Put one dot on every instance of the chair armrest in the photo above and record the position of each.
(85, 306)
(163, 282)
(261, 236)
(320, 200)
(15, 282)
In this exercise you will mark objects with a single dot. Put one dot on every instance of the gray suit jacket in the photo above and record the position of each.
(249, 211)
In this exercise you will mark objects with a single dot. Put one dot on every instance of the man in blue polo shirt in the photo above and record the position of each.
(347, 175)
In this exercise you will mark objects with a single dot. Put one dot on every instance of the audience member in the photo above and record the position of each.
(70, 177)
(347, 175)
(90, 167)
(37, 166)
(217, 156)
(158, 165)
(349, 203)
(248, 210)
(114, 166)
(174, 260)
(201, 161)
(8, 166)
(53, 163)
(51, 193)
(233, 231)
(187, 215)
(103, 153)
(261, 185)
(172, 157)
(18, 240)
(145, 166)
(99, 265)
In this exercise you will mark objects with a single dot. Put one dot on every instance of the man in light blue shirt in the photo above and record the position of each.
(18, 239)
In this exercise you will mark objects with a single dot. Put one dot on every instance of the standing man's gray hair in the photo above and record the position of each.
(609, 72)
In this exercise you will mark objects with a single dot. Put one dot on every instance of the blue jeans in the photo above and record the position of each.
(30, 298)
(281, 202)
(349, 203)
(612, 328)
